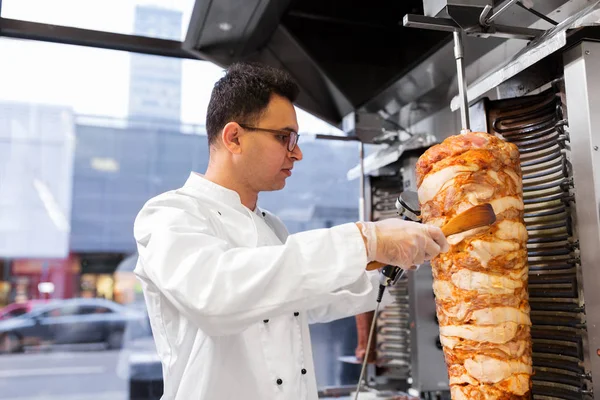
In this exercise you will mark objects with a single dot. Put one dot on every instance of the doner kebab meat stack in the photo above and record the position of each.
(480, 285)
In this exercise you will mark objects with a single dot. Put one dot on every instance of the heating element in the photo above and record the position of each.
(536, 125)
(393, 331)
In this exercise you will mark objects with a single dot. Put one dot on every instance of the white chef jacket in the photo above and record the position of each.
(230, 294)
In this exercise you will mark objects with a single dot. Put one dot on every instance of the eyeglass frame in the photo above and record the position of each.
(283, 132)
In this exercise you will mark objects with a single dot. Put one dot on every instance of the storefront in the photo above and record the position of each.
(59, 278)
(79, 275)
(128, 288)
(97, 274)
(4, 282)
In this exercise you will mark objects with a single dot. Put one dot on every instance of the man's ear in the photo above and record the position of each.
(230, 137)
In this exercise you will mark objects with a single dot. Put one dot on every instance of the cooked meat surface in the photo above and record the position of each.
(481, 283)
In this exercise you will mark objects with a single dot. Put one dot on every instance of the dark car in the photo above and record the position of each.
(16, 309)
(70, 321)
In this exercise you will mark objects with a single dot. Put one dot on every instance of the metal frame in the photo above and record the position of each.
(339, 138)
(457, 33)
(19, 29)
(537, 14)
(485, 28)
(582, 85)
(543, 46)
(488, 20)
(448, 25)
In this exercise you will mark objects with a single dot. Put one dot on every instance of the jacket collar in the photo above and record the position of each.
(208, 188)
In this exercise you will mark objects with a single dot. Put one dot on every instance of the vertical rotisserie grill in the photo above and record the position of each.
(536, 125)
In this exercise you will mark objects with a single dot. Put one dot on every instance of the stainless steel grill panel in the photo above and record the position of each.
(393, 334)
(393, 330)
(535, 124)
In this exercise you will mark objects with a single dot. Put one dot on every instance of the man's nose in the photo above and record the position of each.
(297, 153)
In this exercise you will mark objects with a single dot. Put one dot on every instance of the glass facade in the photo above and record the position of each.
(87, 136)
(163, 19)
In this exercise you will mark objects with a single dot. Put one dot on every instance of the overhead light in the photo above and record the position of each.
(46, 287)
(225, 26)
(104, 164)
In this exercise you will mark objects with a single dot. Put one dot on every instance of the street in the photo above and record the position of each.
(66, 374)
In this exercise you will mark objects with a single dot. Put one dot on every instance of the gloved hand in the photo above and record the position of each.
(402, 243)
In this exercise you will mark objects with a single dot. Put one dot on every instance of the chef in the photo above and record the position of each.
(229, 292)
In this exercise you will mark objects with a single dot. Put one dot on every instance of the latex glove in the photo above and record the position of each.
(402, 243)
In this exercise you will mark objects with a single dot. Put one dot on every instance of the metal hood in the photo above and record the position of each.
(341, 54)
(357, 56)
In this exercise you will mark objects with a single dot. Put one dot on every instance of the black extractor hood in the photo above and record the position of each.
(342, 53)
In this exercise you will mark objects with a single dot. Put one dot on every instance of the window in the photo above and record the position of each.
(16, 312)
(85, 310)
(83, 145)
(308, 202)
(62, 311)
(164, 19)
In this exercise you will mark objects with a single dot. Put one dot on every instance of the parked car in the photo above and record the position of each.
(68, 321)
(17, 309)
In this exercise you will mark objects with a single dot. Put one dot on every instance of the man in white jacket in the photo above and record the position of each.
(229, 293)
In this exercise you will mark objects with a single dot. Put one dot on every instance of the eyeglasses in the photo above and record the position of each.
(287, 137)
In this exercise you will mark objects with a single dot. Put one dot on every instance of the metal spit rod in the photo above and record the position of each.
(462, 82)
(361, 200)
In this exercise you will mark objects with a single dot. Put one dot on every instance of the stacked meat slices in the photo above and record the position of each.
(481, 283)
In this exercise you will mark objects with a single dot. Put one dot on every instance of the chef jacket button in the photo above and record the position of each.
(279, 381)
(265, 321)
(303, 371)
(264, 214)
(296, 314)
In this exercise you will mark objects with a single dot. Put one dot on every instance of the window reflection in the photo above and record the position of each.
(84, 142)
(163, 19)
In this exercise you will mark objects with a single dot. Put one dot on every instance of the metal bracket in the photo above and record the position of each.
(488, 21)
(506, 32)
(445, 24)
(431, 23)
(484, 27)
(448, 25)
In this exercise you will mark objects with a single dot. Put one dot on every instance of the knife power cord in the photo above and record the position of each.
(389, 275)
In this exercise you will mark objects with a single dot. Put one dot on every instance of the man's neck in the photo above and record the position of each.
(248, 197)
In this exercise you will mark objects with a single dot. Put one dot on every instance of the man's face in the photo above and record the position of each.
(266, 161)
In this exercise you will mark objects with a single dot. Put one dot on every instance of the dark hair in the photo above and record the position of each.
(243, 94)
